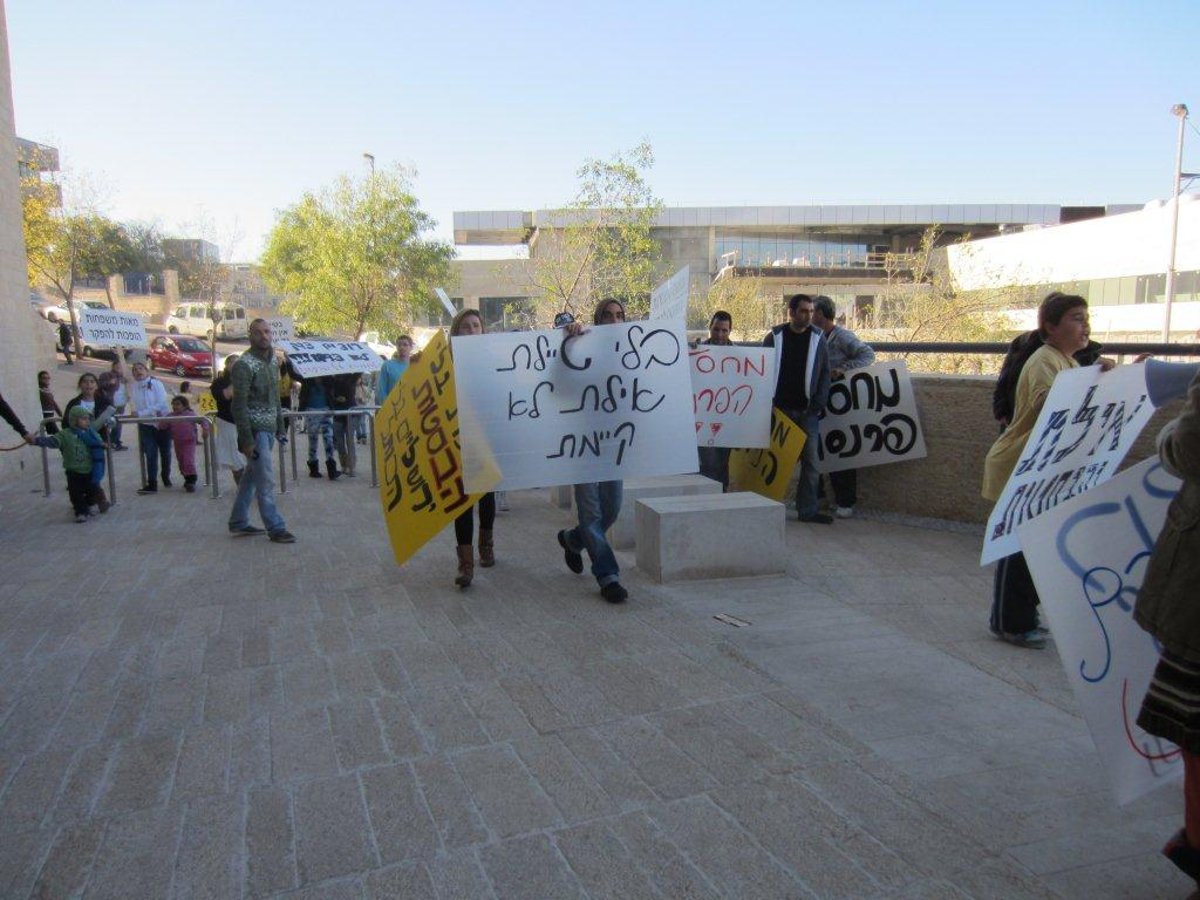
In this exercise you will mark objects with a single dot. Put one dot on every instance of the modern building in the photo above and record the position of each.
(184, 251)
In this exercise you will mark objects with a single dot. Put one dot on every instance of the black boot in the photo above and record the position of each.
(189, 483)
(332, 469)
(314, 469)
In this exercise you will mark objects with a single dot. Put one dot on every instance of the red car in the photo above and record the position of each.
(181, 355)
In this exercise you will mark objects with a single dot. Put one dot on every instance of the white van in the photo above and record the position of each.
(191, 317)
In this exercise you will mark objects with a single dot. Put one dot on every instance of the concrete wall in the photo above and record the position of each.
(956, 417)
(27, 342)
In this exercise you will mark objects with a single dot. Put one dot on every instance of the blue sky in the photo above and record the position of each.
(225, 112)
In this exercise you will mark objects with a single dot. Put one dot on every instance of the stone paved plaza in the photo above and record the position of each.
(183, 714)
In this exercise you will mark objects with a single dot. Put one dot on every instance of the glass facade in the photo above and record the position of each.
(1124, 291)
(818, 251)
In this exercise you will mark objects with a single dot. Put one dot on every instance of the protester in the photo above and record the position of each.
(1063, 327)
(6, 412)
(846, 353)
(393, 369)
(469, 322)
(226, 442)
(259, 420)
(315, 395)
(66, 339)
(149, 399)
(714, 461)
(597, 503)
(1166, 607)
(183, 436)
(49, 404)
(801, 392)
(342, 394)
(82, 450)
(112, 388)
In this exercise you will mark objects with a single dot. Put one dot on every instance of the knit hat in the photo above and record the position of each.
(77, 413)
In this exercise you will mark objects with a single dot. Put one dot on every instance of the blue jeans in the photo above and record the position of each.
(258, 478)
(807, 488)
(598, 503)
(320, 428)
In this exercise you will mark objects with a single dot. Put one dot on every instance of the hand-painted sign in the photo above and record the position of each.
(283, 328)
(670, 299)
(416, 442)
(611, 403)
(870, 419)
(109, 328)
(1087, 425)
(1087, 557)
(313, 359)
(768, 471)
(731, 395)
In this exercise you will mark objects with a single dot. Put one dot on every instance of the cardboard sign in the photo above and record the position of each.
(206, 404)
(283, 328)
(1087, 425)
(768, 471)
(416, 442)
(732, 389)
(670, 299)
(1088, 557)
(611, 403)
(110, 328)
(313, 359)
(871, 419)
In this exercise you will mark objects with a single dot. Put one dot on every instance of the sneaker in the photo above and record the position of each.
(1033, 640)
(844, 512)
(817, 519)
(148, 489)
(282, 536)
(614, 593)
(80, 519)
(246, 530)
(573, 558)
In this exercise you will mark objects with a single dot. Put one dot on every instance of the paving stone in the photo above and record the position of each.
(726, 855)
(405, 880)
(183, 656)
(21, 855)
(174, 703)
(222, 653)
(458, 821)
(270, 842)
(354, 676)
(809, 741)
(335, 889)
(141, 774)
(510, 800)
(494, 709)
(302, 745)
(32, 790)
(729, 751)
(69, 862)
(399, 727)
(356, 735)
(602, 863)
(403, 826)
(307, 681)
(210, 850)
(659, 763)
(203, 762)
(84, 719)
(250, 754)
(672, 873)
(333, 834)
(333, 637)
(242, 694)
(256, 647)
(292, 640)
(82, 783)
(529, 867)
(388, 672)
(445, 720)
(619, 780)
(575, 793)
(458, 874)
(126, 714)
(543, 715)
(137, 855)
(427, 666)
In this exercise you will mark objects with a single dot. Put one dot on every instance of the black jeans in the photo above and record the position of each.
(155, 445)
(81, 490)
(1014, 597)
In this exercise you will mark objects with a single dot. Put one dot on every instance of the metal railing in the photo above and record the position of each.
(209, 451)
(290, 416)
(108, 466)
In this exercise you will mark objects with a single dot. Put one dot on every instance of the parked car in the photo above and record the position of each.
(192, 317)
(382, 346)
(181, 355)
(60, 313)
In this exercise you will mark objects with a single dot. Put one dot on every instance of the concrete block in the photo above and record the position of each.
(684, 538)
(623, 534)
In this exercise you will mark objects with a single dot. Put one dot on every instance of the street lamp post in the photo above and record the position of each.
(1180, 111)
(370, 158)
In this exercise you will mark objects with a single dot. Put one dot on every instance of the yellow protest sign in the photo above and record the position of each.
(416, 441)
(766, 471)
(206, 404)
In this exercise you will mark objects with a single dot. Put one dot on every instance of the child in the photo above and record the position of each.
(183, 435)
(81, 449)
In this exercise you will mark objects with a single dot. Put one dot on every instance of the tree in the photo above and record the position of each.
(352, 256)
(753, 305)
(105, 250)
(599, 245)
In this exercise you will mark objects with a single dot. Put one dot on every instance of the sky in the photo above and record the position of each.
(210, 118)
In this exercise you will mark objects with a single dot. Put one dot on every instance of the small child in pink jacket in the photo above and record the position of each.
(183, 436)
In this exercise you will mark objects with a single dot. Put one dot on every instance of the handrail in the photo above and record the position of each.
(1116, 348)
(108, 461)
(291, 415)
(210, 468)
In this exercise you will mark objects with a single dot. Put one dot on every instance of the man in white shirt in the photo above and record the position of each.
(149, 399)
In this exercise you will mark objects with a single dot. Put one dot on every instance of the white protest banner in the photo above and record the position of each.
(1088, 423)
(283, 328)
(731, 395)
(441, 295)
(670, 299)
(313, 359)
(612, 403)
(1088, 557)
(870, 419)
(110, 328)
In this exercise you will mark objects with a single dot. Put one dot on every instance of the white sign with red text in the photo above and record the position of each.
(731, 395)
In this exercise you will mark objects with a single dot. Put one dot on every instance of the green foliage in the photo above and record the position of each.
(754, 306)
(352, 258)
(599, 245)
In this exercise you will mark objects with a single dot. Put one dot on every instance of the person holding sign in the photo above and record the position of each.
(714, 461)
(1063, 323)
(1167, 608)
(468, 322)
(598, 503)
(801, 392)
(150, 401)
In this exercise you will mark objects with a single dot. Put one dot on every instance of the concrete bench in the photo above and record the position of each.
(710, 536)
(623, 534)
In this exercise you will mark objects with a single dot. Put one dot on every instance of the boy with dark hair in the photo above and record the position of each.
(82, 450)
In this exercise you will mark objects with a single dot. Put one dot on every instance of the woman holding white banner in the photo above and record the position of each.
(468, 322)
(1063, 324)
(1167, 607)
